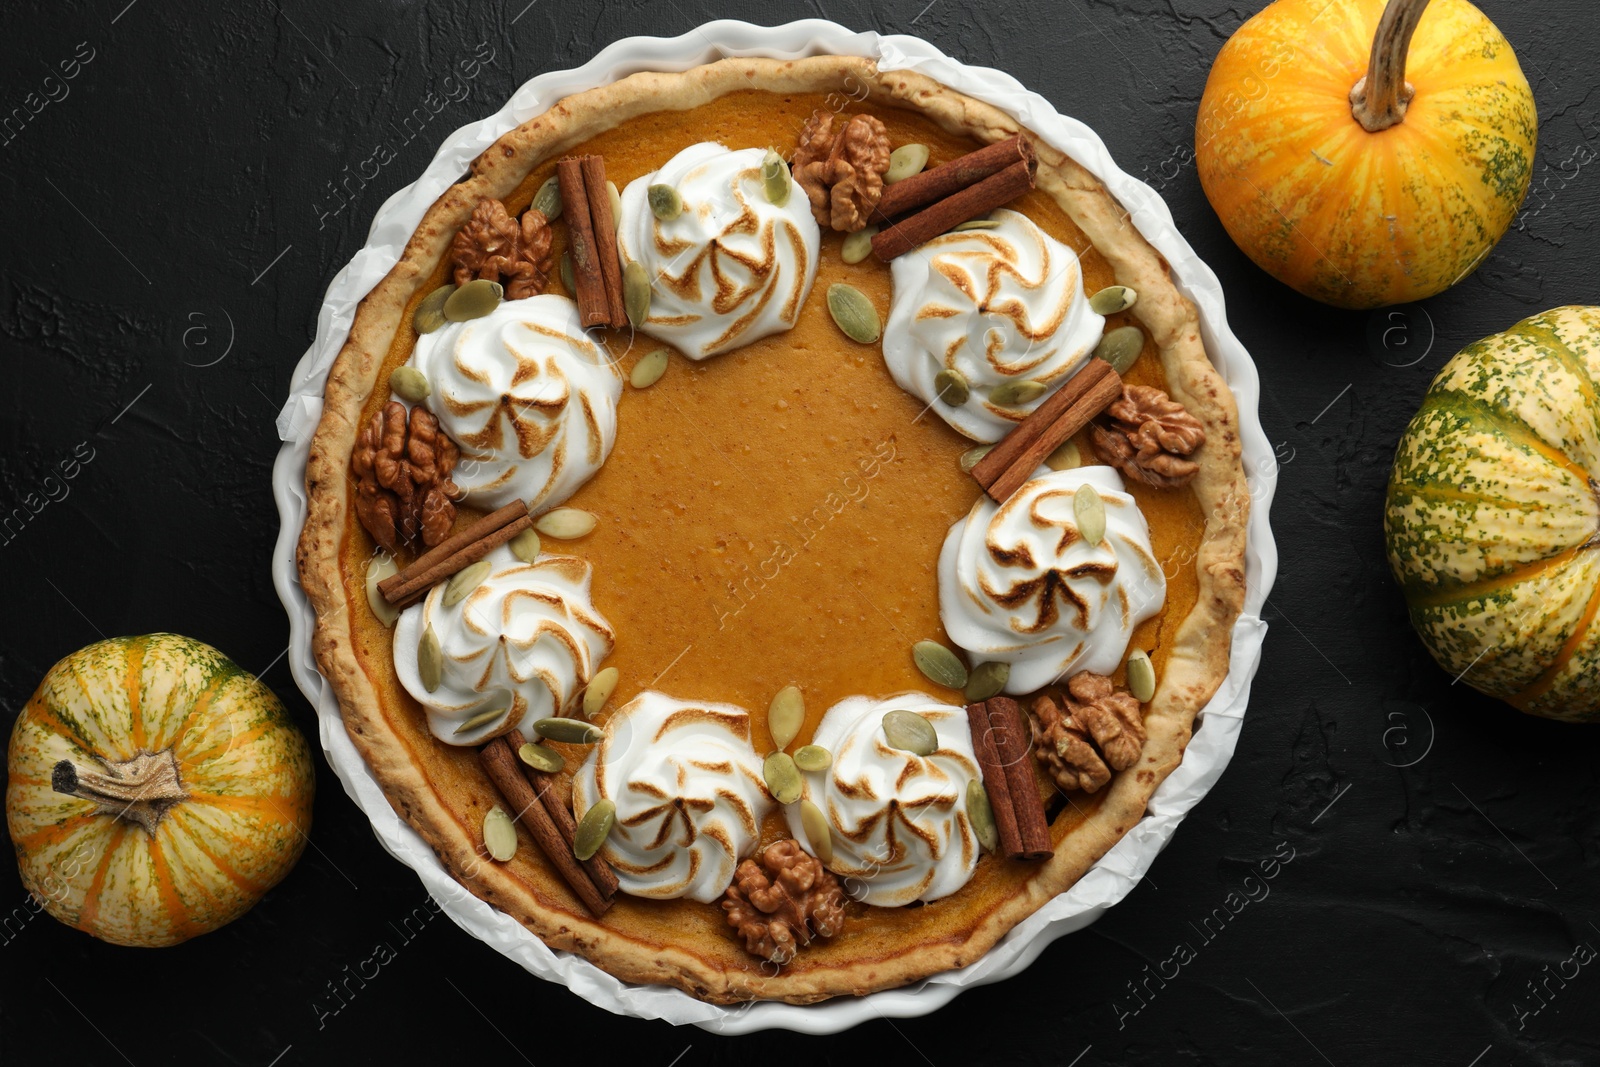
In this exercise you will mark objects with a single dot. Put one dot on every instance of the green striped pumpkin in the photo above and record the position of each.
(154, 790)
(1492, 521)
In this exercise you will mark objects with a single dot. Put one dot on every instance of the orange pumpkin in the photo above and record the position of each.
(155, 790)
(1366, 155)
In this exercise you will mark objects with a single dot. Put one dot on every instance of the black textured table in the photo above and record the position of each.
(173, 215)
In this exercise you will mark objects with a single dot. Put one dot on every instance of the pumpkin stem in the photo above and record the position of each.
(1379, 100)
(141, 790)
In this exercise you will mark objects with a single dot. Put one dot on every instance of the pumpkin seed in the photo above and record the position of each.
(594, 828)
(429, 315)
(566, 524)
(976, 224)
(649, 369)
(775, 179)
(1112, 299)
(940, 664)
(665, 203)
(636, 293)
(813, 758)
(1120, 347)
(430, 659)
(566, 274)
(785, 715)
(1089, 512)
(971, 456)
(465, 581)
(410, 384)
(378, 568)
(525, 546)
(981, 815)
(1064, 458)
(951, 387)
(600, 689)
(569, 731)
(782, 777)
(547, 201)
(987, 680)
(910, 732)
(483, 718)
(818, 836)
(473, 301)
(541, 758)
(616, 204)
(905, 161)
(1017, 393)
(1141, 676)
(853, 312)
(499, 834)
(858, 246)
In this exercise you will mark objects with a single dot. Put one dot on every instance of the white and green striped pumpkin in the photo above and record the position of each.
(154, 790)
(1492, 520)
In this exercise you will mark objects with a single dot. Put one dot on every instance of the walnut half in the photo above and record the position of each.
(780, 903)
(495, 246)
(1100, 730)
(402, 465)
(1148, 436)
(842, 171)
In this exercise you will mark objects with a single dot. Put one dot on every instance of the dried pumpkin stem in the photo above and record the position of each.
(141, 790)
(1379, 100)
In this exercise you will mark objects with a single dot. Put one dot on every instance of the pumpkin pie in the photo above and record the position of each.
(819, 527)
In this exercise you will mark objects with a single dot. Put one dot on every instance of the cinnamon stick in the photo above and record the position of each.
(455, 543)
(998, 189)
(919, 190)
(593, 307)
(605, 879)
(994, 780)
(604, 227)
(500, 763)
(421, 579)
(1012, 739)
(1066, 411)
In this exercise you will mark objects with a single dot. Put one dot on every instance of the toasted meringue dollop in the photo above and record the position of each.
(732, 267)
(527, 638)
(899, 820)
(1018, 583)
(529, 398)
(995, 306)
(689, 794)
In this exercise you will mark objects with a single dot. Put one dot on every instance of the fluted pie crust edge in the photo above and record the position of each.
(1197, 664)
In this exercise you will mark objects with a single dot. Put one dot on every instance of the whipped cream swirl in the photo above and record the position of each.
(995, 306)
(529, 398)
(688, 790)
(1018, 583)
(733, 267)
(527, 639)
(899, 820)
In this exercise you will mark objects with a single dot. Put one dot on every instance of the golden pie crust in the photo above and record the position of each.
(440, 791)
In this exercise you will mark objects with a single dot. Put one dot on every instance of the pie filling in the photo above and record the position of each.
(789, 505)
